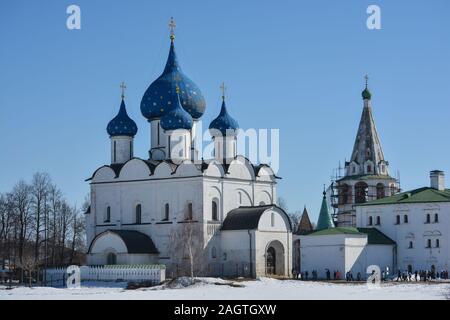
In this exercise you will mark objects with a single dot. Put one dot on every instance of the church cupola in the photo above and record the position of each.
(121, 130)
(366, 95)
(157, 99)
(223, 130)
(177, 125)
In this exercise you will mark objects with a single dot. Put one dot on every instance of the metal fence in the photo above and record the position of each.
(155, 274)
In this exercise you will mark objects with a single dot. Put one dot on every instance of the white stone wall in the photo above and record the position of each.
(121, 149)
(416, 230)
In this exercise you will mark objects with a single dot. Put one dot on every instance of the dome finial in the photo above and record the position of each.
(123, 87)
(172, 26)
(223, 89)
(366, 95)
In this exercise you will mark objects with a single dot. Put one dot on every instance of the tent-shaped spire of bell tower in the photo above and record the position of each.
(367, 153)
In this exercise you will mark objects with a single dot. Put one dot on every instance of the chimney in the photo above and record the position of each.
(437, 180)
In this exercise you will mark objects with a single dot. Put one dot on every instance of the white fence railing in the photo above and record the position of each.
(155, 274)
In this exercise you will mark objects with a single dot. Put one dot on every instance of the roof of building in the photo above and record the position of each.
(367, 143)
(122, 124)
(421, 195)
(375, 236)
(247, 218)
(325, 220)
(159, 97)
(336, 230)
(366, 177)
(152, 164)
(305, 225)
(224, 124)
(135, 241)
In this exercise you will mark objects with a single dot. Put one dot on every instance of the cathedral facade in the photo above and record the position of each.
(211, 217)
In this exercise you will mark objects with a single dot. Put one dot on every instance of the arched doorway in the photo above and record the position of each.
(271, 261)
(111, 258)
(275, 258)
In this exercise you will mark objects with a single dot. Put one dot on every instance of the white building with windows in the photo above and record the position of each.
(219, 215)
(418, 221)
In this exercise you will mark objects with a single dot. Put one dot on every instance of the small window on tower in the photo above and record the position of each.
(108, 214)
(369, 168)
(166, 212)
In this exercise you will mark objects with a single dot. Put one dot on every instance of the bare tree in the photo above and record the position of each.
(40, 186)
(22, 204)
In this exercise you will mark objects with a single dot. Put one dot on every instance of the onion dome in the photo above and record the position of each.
(176, 117)
(366, 95)
(155, 101)
(122, 124)
(224, 122)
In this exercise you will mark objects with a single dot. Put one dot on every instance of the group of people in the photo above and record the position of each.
(337, 275)
(421, 275)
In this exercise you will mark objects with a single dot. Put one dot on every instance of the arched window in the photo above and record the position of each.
(108, 214)
(380, 191)
(397, 219)
(429, 243)
(428, 218)
(214, 213)
(370, 221)
(436, 218)
(369, 168)
(138, 214)
(111, 259)
(239, 198)
(166, 212)
(405, 218)
(437, 243)
(190, 214)
(411, 245)
(213, 253)
(272, 219)
(361, 192)
(344, 194)
(378, 220)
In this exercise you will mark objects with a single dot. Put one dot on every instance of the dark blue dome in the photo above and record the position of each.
(156, 100)
(223, 122)
(122, 124)
(176, 117)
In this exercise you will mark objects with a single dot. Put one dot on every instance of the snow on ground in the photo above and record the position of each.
(261, 289)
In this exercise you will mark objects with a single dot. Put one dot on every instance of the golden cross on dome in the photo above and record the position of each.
(224, 89)
(367, 79)
(172, 26)
(123, 87)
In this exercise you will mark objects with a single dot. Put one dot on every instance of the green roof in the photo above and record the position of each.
(325, 220)
(375, 236)
(337, 230)
(367, 177)
(420, 195)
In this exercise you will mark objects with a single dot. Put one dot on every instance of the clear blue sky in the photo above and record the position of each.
(293, 65)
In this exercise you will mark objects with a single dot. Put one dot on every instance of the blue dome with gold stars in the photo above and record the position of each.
(157, 98)
(177, 117)
(122, 124)
(224, 123)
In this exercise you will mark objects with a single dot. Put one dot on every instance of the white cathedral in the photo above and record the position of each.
(218, 216)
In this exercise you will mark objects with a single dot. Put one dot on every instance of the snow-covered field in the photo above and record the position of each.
(261, 289)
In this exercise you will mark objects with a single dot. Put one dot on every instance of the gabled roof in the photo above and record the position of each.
(375, 236)
(135, 241)
(247, 218)
(421, 195)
